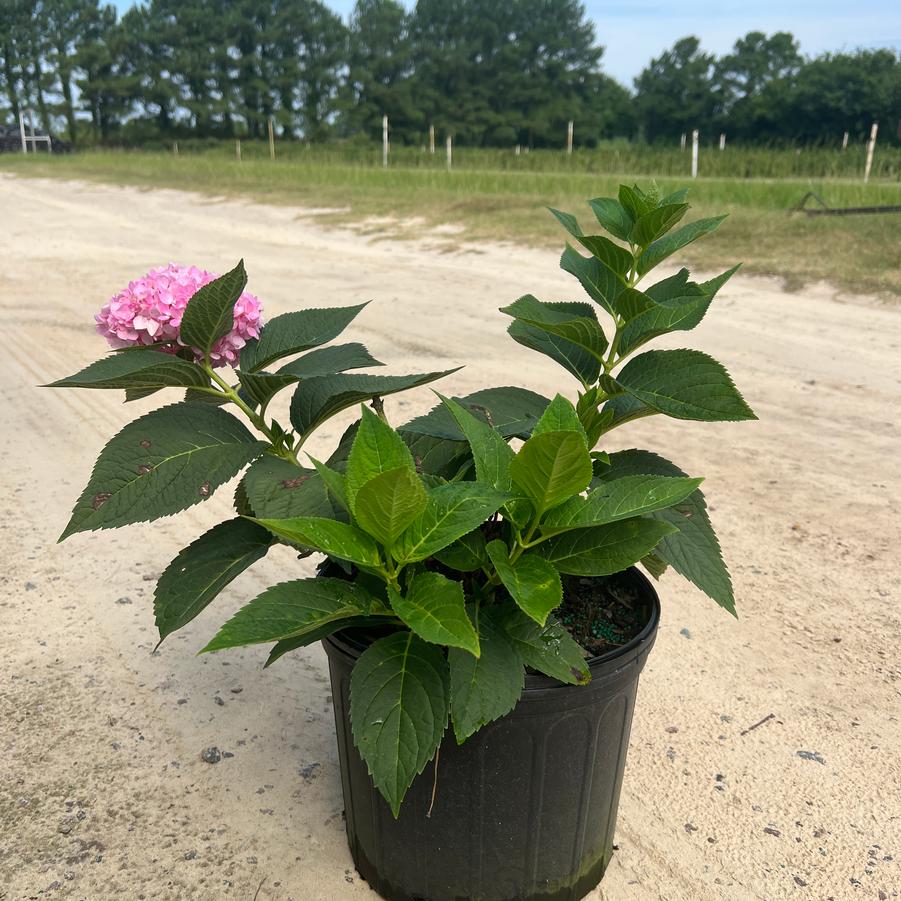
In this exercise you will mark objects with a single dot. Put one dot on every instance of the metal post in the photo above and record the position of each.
(871, 146)
(449, 146)
(384, 142)
(431, 139)
(694, 154)
(569, 138)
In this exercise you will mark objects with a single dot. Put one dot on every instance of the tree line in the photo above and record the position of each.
(489, 73)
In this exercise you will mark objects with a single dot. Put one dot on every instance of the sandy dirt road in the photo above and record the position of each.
(103, 793)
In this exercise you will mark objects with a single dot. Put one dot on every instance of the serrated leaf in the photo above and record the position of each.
(330, 360)
(548, 649)
(200, 571)
(631, 303)
(635, 202)
(657, 222)
(511, 411)
(388, 503)
(486, 688)
(490, 452)
(663, 247)
(291, 610)
(583, 331)
(292, 333)
(335, 483)
(552, 467)
(466, 554)
(583, 365)
(612, 216)
(451, 511)
(617, 258)
(133, 394)
(144, 371)
(619, 499)
(433, 606)
(325, 629)
(655, 565)
(319, 398)
(684, 384)
(603, 550)
(210, 313)
(560, 416)
(441, 457)
(600, 282)
(337, 539)
(693, 550)
(279, 489)
(376, 449)
(160, 464)
(531, 580)
(398, 709)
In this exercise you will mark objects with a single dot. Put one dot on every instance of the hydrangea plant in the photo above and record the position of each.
(446, 543)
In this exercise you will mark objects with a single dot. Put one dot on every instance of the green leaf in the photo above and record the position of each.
(485, 688)
(335, 483)
(329, 627)
(210, 313)
(603, 550)
(655, 565)
(337, 539)
(292, 333)
(290, 610)
(583, 365)
(531, 580)
(203, 569)
(162, 463)
(693, 550)
(547, 649)
(552, 467)
(133, 394)
(612, 216)
(631, 303)
(619, 499)
(583, 331)
(490, 452)
(440, 457)
(657, 222)
(388, 503)
(684, 384)
(319, 398)
(452, 510)
(560, 416)
(617, 258)
(467, 554)
(142, 370)
(600, 282)
(330, 360)
(433, 606)
(279, 489)
(376, 449)
(635, 202)
(511, 411)
(398, 710)
(663, 247)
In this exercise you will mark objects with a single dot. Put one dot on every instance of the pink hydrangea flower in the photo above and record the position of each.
(149, 312)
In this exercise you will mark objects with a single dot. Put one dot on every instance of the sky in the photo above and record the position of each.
(634, 32)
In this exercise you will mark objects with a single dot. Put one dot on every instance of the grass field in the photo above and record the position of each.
(858, 253)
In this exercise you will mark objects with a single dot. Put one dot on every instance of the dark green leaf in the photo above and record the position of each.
(335, 483)
(490, 452)
(531, 580)
(583, 331)
(617, 258)
(162, 463)
(612, 216)
(293, 609)
(143, 370)
(398, 710)
(279, 489)
(440, 457)
(657, 222)
(583, 365)
(486, 688)
(133, 394)
(434, 608)
(663, 247)
(327, 628)
(547, 649)
(466, 554)
(203, 569)
(329, 360)
(337, 539)
(292, 333)
(600, 282)
(388, 503)
(635, 202)
(210, 313)
(684, 384)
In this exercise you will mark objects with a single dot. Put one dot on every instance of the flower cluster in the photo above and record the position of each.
(149, 312)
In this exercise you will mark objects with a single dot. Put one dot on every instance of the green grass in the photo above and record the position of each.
(858, 253)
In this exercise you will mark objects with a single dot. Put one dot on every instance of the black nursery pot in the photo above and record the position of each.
(524, 810)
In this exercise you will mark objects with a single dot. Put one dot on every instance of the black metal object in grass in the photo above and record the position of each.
(826, 210)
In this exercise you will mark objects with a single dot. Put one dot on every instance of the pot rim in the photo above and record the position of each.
(607, 664)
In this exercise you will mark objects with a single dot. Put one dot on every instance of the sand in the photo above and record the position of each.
(103, 792)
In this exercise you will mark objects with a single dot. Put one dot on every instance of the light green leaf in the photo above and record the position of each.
(210, 313)
(452, 510)
(684, 384)
(486, 688)
(532, 581)
(162, 463)
(603, 550)
(433, 606)
(143, 370)
(619, 499)
(663, 247)
(552, 467)
(200, 571)
(292, 333)
(337, 539)
(398, 710)
(388, 503)
(376, 449)
(560, 416)
(293, 609)
(279, 489)
(548, 649)
(490, 452)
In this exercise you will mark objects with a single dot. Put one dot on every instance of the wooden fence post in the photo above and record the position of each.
(449, 146)
(871, 146)
(722, 140)
(431, 139)
(845, 141)
(271, 140)
(694, 154)
(384, 142)
(175, 148)
(682, 141)
(238, 149)
(569, 138)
